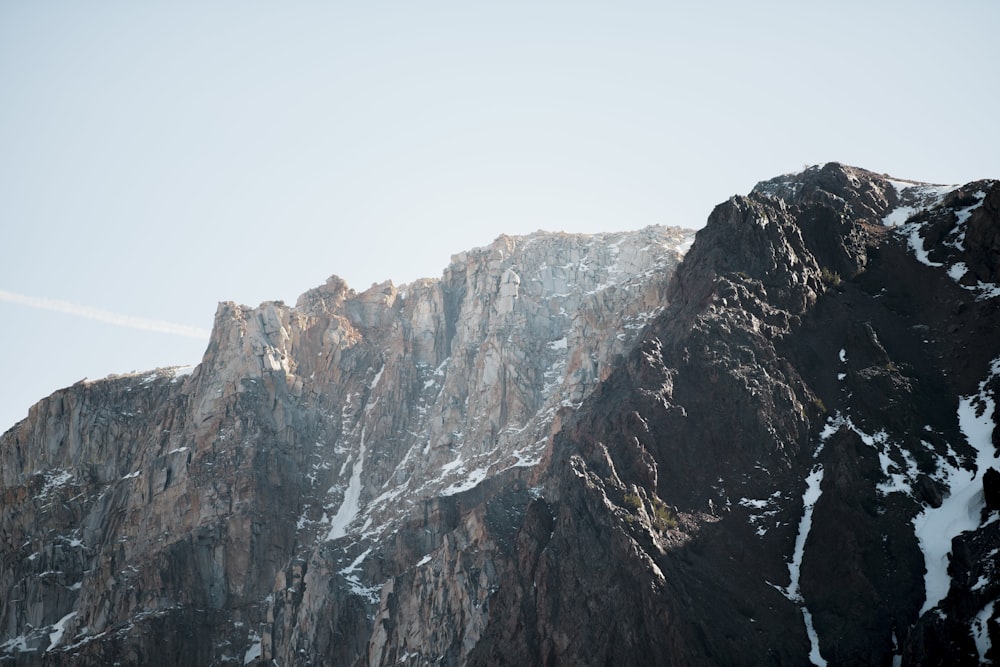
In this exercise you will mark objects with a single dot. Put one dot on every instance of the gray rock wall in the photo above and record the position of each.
(244, 508)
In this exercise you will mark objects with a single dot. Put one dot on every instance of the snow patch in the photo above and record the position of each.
(814, 654)
(924, 198)
(453, 465)
(981, 634)
(685, 245)
(917, 244)
(900, 215)
(809, 498)
(793, 592)
(899, 481)
(351, 505)
(473, 479)
(54, 480)
(986, 290)
(957, 270)
(375, 380)
(766, 508)
(961, 510)
(962, 216)
(254, 651)
(18, 644)
(899, 478)
(353, 579)
(55, 637)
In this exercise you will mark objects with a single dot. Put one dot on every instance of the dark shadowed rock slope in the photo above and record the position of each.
(562, 453)
(790, 464)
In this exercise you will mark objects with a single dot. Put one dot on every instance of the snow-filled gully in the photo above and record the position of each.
(350, 507)
(793, 592)
(961, 510)
(935, 528)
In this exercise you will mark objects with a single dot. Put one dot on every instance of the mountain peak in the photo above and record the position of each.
(772, 445)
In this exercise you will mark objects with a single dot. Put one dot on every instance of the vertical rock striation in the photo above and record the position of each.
(254, 506)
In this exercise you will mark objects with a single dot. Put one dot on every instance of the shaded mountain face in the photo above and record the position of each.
(568, 450)
(816, 409)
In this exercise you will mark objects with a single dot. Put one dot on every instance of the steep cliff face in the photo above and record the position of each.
(256, 505)
(790, 465)
(562, 452)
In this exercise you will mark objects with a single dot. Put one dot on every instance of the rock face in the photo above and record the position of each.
(256, 506)
(564, 452)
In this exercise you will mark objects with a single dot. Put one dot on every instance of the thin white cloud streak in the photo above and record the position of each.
(106, 316)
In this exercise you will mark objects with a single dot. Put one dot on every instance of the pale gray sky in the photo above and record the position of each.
(159, 157)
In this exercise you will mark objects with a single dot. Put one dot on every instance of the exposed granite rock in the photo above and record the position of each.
(207, 510)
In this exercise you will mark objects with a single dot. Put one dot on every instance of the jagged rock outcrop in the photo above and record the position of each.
(789, 466)
(562, 452)
(198, 516)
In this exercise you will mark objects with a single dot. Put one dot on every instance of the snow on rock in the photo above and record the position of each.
(683, 248)
(814, 655)
(254, 652)
(918, 198)
(58, 630)
(352, 577)
(981, 633)
(809, 499)
(912, 231)
(899, 477)
(350, 506)
(961, 510)
(473, 478)
(962, 217)
(765, 509)
(55, 479)
(16, 644)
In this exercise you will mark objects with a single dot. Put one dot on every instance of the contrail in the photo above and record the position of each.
(105, 316)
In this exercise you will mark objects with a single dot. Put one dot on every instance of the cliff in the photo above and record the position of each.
(569, 450)
(186, 516)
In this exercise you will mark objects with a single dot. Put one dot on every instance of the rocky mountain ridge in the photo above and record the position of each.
(179, 499)
(569, 450)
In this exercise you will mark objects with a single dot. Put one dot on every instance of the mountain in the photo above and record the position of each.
(569, 450)
(176, 516)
